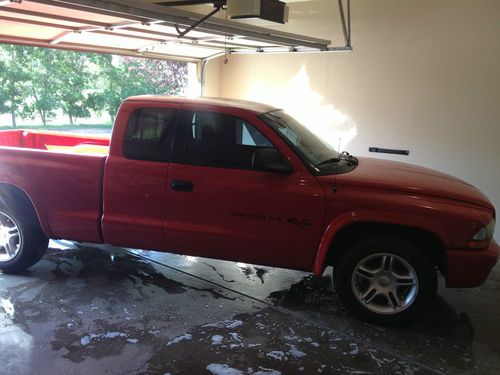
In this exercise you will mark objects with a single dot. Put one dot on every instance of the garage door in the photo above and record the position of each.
(140, 28)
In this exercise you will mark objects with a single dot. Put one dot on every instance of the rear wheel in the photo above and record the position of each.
(385, 281)
(22, 242)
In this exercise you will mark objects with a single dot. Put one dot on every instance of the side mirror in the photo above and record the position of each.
(270, 160)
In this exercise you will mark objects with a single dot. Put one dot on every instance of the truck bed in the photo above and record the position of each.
(54, 141)
(62, 175)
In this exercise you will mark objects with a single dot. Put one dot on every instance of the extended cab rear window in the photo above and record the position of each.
(146, 134)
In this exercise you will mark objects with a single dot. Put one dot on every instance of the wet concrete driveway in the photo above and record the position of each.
(88, 310)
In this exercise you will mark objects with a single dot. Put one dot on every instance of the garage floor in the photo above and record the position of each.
(88, 310)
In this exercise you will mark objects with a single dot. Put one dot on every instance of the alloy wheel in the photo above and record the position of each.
(384, 283)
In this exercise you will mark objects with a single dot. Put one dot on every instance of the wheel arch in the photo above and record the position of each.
(352, 227)
(11, 194)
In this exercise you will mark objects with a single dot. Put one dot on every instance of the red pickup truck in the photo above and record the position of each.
(246, 182)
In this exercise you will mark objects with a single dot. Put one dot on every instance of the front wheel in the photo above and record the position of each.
(385, 281)
(22, 242)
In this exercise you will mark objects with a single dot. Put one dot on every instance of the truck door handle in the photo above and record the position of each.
(182, 185)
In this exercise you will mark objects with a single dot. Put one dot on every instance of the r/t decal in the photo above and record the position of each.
(301, 223)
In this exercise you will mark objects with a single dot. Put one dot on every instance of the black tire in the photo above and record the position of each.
(32, 242)
(358, 267)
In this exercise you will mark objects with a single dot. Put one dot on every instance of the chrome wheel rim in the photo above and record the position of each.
(10, 238)
(385, 283)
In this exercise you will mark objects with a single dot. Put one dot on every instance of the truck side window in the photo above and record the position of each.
(219, 140)
(146, 133)
(248, 135)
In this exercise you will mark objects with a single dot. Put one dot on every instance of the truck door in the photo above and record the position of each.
(135, 175)
(219, 206)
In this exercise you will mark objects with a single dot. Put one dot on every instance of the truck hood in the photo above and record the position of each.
(396, 176)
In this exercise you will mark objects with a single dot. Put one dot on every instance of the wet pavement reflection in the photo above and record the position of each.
(98, 309)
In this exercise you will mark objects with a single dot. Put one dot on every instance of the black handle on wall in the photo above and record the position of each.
(389, 151)
(182, 185)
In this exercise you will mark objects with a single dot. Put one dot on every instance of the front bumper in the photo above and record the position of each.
(468, 268)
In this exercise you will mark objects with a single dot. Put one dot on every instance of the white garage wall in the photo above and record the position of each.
(424, 76)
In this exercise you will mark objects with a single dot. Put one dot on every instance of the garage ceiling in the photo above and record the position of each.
(141, 28)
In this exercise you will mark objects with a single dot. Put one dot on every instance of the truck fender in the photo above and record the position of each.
(353, 217)
(44, 224)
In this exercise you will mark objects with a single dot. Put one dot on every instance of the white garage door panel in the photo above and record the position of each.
(137, 28)
(10, 28)
(104, 40)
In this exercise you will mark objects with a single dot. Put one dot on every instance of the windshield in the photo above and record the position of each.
(309, 146)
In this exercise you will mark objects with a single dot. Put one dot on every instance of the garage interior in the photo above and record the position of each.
(419, 76)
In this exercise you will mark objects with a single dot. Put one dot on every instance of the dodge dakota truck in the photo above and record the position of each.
(246, 182)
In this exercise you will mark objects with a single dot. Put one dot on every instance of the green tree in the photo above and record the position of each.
(71, 82)
(13, 81)
(39, 64)
(128, 76)
(159, 76)
(115, 85)
(36, 82)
